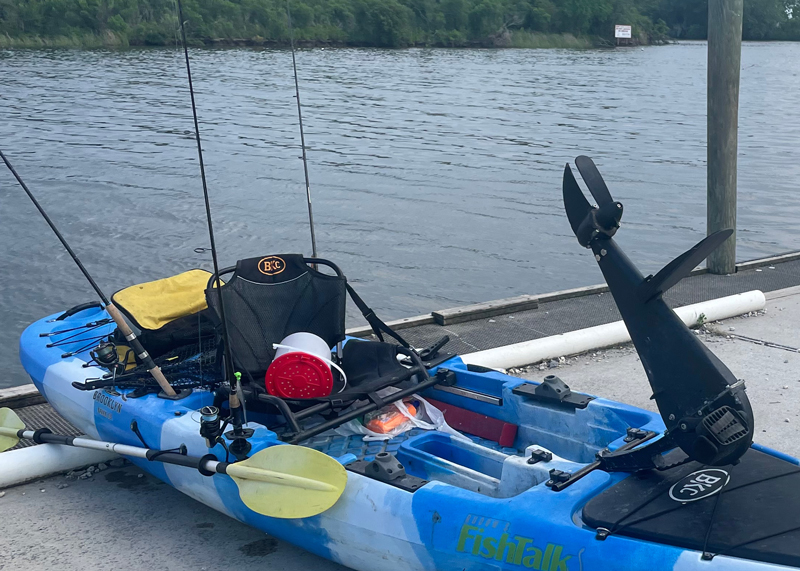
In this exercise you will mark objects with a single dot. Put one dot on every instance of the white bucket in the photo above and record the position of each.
(304, 342)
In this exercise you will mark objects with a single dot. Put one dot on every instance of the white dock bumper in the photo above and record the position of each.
(42, 460)
(582, 340)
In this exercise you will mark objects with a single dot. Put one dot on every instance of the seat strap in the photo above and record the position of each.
(378, 326)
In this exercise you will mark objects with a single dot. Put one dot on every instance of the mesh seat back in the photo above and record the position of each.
(271, 297)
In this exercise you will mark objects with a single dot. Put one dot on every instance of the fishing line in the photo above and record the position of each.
(302, 135)
(237, 402)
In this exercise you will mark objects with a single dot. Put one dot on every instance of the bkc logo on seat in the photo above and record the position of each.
(271, 265)
(699, 485)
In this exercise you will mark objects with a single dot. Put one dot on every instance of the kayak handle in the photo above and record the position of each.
(78, 308)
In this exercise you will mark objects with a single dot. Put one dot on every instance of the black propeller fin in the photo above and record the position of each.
(589, 222)
(578, 208)
(593, 179)
(682, 266)
(704, 406)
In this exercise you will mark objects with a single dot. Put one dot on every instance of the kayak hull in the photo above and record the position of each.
(484, 509)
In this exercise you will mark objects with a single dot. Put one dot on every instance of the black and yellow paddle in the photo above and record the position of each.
(282, 481)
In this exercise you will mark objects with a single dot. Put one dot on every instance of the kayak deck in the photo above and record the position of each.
(751, 512)
(571, 435)
(336, 446)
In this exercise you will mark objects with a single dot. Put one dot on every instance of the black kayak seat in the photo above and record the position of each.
(271, 297)
(268, 298)
(756, 515)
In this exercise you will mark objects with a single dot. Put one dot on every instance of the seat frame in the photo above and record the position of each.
(295, 433)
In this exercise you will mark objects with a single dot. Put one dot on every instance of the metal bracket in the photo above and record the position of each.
(635, 434)
(626, 458)
(387, 468)
(540, 456)
(554, 390)
(440, 358)
(431, 351)
(558, 477)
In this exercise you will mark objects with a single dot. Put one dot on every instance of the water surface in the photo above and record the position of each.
(435, 173)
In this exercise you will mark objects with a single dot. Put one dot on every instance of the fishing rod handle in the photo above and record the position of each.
(140, 352)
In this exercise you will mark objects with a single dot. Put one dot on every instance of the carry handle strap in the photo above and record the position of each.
(378, 326)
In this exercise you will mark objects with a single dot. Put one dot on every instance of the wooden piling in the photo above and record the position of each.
(724, 63)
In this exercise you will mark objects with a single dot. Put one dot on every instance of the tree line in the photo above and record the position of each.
(381, 23)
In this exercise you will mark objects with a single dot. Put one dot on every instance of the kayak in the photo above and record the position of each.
(483, 507)
(539, 477)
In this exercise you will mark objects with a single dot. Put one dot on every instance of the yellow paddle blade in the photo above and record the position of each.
(288, 481)
(9, 425)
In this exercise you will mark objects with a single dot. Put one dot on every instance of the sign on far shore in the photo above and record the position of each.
(622, 31)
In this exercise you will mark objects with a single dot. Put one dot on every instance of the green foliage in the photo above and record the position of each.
(383, 23)
(486, 18)
(449, 38)
(526, 39)
(762, 20)
(454, 13)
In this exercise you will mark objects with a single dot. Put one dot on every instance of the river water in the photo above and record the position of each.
(435, 174)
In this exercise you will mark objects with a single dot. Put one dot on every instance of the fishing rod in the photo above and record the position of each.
(236, 399)
(302, 135)
(115, 314)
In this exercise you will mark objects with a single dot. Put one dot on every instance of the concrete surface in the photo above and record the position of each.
(771, 374)
(125, 520)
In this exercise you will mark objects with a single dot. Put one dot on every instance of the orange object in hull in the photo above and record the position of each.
(386, 422)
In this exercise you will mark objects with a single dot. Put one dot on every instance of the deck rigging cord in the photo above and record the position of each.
(302, 134)
(115, 314)
(618, 527)
(236, 401)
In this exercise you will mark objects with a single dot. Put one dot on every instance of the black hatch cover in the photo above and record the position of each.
(751, 510)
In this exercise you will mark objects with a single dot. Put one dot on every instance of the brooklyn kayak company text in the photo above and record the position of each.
(106, 401)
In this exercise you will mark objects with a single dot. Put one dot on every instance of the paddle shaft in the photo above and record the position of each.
(136, 345)
(206, 465)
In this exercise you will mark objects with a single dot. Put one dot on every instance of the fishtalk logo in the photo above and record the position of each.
(491, 539)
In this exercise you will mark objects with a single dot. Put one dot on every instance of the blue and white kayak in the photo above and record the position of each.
(479, 505)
